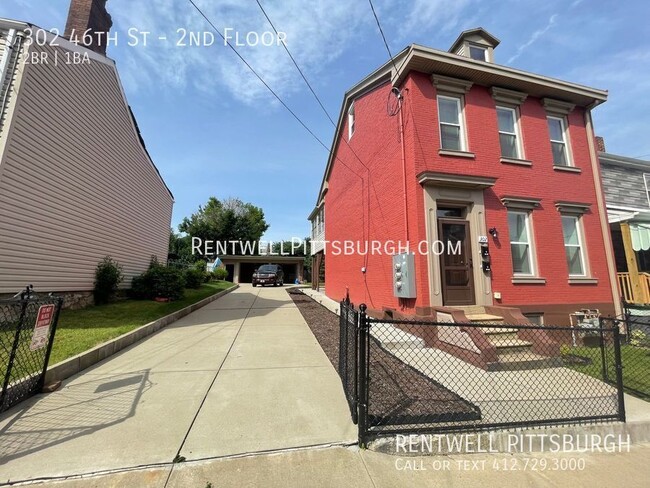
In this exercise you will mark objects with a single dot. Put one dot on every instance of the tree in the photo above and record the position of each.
(228, 220)
(301, 249)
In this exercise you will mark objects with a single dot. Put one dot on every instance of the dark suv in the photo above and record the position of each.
(268, 274)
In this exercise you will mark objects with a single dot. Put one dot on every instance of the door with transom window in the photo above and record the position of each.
(456, 261)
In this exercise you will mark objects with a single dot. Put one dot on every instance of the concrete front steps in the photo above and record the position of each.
(512, 352)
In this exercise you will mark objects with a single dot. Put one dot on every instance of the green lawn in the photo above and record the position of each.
(636, 367)
(80, 330)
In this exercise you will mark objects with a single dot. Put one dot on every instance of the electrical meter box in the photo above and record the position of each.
(404, 275)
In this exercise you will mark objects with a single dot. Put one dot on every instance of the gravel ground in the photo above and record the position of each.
(398, 393)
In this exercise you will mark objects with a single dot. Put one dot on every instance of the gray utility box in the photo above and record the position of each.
(404, 275)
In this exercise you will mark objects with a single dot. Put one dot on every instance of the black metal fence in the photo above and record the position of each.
(635, 350)
(417, 376)
(348, 354)
(27, 327)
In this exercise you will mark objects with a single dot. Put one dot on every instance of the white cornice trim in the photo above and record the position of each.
(451, 85)
(510, 97)
(557, 107)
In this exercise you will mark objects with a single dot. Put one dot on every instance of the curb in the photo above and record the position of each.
(71, 366)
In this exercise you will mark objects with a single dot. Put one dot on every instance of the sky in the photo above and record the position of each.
(213, 129)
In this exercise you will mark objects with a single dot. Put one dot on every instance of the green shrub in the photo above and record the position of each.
(194, 277)
(220, 274)
(108, 276)
(158, 281)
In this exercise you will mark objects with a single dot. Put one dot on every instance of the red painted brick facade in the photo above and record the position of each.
(369, 205)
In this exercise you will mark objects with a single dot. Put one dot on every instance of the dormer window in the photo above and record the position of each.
(475, 44)
(478, 53)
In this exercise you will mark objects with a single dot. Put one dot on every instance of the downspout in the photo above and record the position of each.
(600, 200)
(401, 136)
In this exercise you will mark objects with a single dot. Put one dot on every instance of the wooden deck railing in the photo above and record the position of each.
(625, 286)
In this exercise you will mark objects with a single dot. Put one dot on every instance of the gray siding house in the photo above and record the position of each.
(76, 181)
(626, 182)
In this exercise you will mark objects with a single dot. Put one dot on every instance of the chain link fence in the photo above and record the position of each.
(27, 327)
(416, 376)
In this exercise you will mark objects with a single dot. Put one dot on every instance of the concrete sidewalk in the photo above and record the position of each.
(350, 467)
(243, 374)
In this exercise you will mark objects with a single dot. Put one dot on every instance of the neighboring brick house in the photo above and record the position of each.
(626, 182)
(76, 181)
(451, 146)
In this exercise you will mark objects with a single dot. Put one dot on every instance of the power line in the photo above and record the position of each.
(296, 64)
(311, 89)
(381, 31)
(295, 116)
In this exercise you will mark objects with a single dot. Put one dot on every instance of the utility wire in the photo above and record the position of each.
(296, 65)
(311, 89)
(381, 31)
(257, 75)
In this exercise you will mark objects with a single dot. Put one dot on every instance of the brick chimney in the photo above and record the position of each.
(600, 144)
(88, 16)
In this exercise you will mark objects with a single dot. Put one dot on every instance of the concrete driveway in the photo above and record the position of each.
(243, 374)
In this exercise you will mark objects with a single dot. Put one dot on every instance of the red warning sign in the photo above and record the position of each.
(42, 327)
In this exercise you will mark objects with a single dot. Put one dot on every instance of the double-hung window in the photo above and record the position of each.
(559, 144)
(573, 245)
(452, 131)
(521, 244)
(508, 132)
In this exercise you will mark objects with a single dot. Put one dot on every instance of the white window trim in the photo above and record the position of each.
(580, 245)
(565, 137)
(646, 176)
(461, 122)
(351, 121)
(531, 247)
(517, 133)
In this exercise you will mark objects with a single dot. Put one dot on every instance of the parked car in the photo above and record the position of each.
(268, 274)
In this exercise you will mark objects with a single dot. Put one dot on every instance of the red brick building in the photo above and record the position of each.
(451, 147)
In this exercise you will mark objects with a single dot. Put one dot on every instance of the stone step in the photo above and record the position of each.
(499, 330)
(484, 318)
(524, 361)
(510, 346)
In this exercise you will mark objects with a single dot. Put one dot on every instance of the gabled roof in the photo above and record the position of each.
(479, 31)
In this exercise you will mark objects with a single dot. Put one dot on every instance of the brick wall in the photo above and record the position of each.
(91, 16)
(373, 208)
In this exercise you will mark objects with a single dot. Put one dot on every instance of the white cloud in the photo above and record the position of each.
(317, 33)
(443, 15)
(534, 36)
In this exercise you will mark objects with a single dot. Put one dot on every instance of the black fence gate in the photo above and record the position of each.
(413, 376)
(27, 327)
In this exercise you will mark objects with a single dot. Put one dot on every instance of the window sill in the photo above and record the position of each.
(521, 162)
(528, 280)
(568, 169)
(460, 154)
(583, 281)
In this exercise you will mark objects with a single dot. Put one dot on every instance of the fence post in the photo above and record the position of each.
(12, 356)
(619, 373)
(343, 319)
(55, 322)
(362, 375)
(603, 358)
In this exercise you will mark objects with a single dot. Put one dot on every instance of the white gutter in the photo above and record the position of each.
(6, 57)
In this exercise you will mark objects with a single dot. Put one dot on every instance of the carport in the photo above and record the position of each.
(241, 268)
